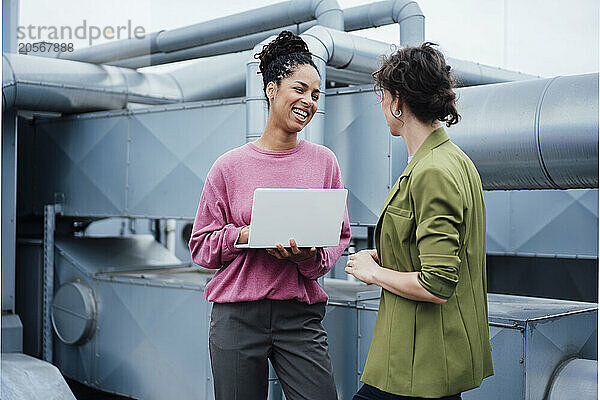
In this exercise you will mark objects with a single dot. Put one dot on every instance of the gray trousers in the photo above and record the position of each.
(288, 332)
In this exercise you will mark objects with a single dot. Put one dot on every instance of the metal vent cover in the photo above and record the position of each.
(74, 313)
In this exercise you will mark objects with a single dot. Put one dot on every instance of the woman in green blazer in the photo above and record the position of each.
(431, 337)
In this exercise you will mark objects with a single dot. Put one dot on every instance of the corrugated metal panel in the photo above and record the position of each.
(147, 163)
(171, 154)
(86, 160)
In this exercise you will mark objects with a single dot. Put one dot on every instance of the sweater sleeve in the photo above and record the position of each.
(326, 257)
(212, 243)
(438, 215)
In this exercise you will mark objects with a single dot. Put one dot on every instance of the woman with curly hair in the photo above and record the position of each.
(431, 337)
(268, 304)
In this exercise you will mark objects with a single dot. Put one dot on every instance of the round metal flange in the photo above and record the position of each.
(74, 313)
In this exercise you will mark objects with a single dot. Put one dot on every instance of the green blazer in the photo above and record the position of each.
(433, 221)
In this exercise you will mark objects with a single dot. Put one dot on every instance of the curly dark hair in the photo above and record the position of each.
(282, 56)
(421, 79)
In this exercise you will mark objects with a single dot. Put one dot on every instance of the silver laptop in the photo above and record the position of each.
(312, 217)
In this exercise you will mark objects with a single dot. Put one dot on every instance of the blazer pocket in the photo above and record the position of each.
(400, 211)
(398, 230)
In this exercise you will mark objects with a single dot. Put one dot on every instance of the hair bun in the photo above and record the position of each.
(285, 43)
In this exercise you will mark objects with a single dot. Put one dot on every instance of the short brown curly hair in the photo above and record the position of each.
(421, 79)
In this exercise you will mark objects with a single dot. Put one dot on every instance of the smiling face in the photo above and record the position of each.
(294, 102)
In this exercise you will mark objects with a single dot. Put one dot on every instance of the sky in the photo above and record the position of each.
(540, 37)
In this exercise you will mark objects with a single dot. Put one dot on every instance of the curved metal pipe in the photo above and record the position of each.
(346, 51)
(536, 134)
(234, 45)
(406, 13)
(326, 12)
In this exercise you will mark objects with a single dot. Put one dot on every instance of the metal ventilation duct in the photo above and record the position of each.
(47, 84)
(407, 14)
(326, 12)
(537, 134)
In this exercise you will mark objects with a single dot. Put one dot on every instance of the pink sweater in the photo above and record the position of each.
(225, 208)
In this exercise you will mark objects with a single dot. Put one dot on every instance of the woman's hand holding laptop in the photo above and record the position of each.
(294, 254)
(243, 236)
(281, 253)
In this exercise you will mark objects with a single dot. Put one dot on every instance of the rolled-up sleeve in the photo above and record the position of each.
(438, 215)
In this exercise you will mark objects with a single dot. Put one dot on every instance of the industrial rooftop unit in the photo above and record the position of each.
(103, 166)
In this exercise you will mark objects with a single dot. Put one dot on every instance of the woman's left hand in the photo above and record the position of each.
(295, 254)
(362, 266)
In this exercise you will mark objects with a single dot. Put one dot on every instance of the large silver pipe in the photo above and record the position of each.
(234, 45)
(471, 73)
(576, 378)
(468, 73)
(406, 13)
(536, 134)
(212, 78)
(47, 84)
(325, 12)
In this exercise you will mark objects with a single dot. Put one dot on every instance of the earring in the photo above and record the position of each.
(398, 115)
